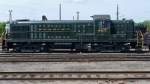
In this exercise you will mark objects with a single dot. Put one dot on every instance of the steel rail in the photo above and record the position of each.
(37, 57)
(72, 75)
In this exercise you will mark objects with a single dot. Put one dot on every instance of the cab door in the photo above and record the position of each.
(102, 30)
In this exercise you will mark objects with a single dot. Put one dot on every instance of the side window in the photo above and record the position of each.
(106, 24)
(103, 24)
(100, 25)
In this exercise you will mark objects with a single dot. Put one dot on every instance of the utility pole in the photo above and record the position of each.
(73, 17)
(10, 16)
(117, 12)
(60, 11)
(78, 16)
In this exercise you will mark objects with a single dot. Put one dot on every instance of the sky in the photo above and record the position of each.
(138, 10)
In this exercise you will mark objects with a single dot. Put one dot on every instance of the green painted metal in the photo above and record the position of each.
(74, 30)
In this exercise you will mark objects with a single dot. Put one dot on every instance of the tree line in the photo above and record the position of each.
(2, 27)
(147, 24)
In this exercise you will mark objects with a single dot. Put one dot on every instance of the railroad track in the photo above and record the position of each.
(73, 75)
(75, 78)
(68, 77)
(76, 57)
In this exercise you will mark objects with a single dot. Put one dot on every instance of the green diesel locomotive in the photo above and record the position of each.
(100, 34)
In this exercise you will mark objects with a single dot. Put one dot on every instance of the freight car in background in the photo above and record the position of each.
(99, 34)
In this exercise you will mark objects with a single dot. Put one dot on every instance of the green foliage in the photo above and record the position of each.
(2, 27)
(147, 24)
